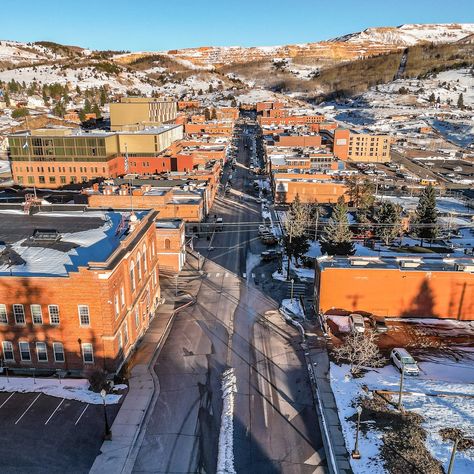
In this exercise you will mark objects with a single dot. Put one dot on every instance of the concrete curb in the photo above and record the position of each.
(119, 454)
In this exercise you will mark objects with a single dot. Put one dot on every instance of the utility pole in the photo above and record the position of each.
(453, 455)
(400, 393)
(292, 283)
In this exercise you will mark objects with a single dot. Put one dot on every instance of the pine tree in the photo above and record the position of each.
(207, 114)
(82, 115)
(432, 98)
(96, 111)
(211, 89)
(103, 96)
(338, 236)
(388, 218)
(7, 99)
(426, 214)
(87, 106)
(461, 102)
(360, 192)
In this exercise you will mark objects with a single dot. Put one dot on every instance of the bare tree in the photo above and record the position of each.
(359, 350)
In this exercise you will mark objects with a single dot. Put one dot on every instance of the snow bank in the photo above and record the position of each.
(225, 456)
(294, 306)
(71, 389)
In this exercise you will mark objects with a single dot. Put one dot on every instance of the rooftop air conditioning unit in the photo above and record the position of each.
(462, 267)
(359, 262)
(409, 263)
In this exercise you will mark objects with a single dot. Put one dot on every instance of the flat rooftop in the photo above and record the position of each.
(56, 243)
(404, 263)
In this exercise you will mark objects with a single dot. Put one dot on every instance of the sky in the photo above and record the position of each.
(154, 25)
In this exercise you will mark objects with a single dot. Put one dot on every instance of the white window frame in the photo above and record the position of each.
(33, 315)
(137, 318)
(15, 306)
(122, 296)
(132, 276)
(21, 352)
(79, 308)
(126, 337)
(116, 305)
(56, 315)
(55, 351)
(10, 344)
(89, 345)
(138, 266)
(42, 344)
(3, 314)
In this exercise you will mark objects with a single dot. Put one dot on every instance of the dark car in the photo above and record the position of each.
(270, 255)
(378, 324)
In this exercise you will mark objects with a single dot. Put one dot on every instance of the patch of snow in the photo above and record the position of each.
(225, 456)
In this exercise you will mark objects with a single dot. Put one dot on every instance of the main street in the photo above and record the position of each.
(233, 324)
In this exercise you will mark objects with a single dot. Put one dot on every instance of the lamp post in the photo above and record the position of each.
(107, 431)
(402, 374)
(453, 455)
(355, 452)
(292, 283)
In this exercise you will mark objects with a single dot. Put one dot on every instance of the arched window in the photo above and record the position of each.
(132, 275)
(145, 259)
(167, 244)
(139, 268)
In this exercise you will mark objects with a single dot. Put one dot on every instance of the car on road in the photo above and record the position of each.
(219, 223)
(357, 323)
(262, 229)
(269, 255)
(402, 359)
(378, 324)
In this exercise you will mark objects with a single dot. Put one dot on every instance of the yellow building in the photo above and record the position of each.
(136, 113)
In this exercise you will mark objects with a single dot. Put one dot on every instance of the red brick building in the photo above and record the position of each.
(76, 292)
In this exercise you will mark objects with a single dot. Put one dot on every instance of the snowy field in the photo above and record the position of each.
(449, 405)
(443, 204)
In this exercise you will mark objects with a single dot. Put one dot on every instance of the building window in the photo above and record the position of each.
(125, 333)
(3, 314)
(116, 303)
(153, 248)
(167, 244)
(24, 351)
(62, 179)
(41, 352)
(84, 319)
(36, 314)
(145, 263)
(122, 296)
(31, 180)
(137, 318)
(139, 270)
(53, 310)
(154, 278)
(132, 275)
(87, 353)
(58, 350)
(20, 179)
(120, 342)
(19, 313)
(41, 179)
(52, 179)
(8, 351)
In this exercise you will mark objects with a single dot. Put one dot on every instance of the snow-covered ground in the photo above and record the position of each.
(225, 456)
(443, 394)
(294, 306)
(70, 389)
(4, 166)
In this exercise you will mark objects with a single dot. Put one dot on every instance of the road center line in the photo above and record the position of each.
(80, 416)
(7, 399)
(24, 413)
(55, 410)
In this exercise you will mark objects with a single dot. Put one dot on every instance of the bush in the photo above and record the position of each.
(21, 112)
(98, 380)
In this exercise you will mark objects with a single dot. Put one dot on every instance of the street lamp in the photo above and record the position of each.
(107, 431)
(355, 451)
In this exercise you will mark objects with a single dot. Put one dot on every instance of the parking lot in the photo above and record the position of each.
(51, 434)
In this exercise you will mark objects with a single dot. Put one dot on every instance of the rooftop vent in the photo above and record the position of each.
(359, 262)
(409, 263)
(46, 235)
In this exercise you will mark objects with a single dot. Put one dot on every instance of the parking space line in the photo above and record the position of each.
(80, 416)
(7, 399)
(55, 410)
(24, 413)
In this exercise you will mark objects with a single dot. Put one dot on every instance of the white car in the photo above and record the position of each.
(356, 322)
(402, 359)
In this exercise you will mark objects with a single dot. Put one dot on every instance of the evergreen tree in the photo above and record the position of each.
(7, 99)
(233, 103)
(389, 222)
(432, 98)
(426, 214)
(78, 90)
(360, 192)
(103, 96)
(213, 114)
(82, 115)
(87, 106)
(211, 89)
(59, 109)
(207, 114)
(96, 111)
(461, 102)
(338, 236)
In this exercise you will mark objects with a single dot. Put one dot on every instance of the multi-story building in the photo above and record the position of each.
(137, 113)
(51, 158)
(291, 120)
(76, 292)
(170, 235)
(363, 147)
(419, 286)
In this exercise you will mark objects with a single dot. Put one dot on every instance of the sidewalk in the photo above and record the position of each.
(118, 455)
(318, 365)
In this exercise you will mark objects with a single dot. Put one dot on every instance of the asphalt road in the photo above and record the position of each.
(233, 324)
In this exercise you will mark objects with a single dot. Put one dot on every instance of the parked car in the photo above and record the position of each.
(356, 322)
(378, 324)
(268, 255)
(402, 359)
